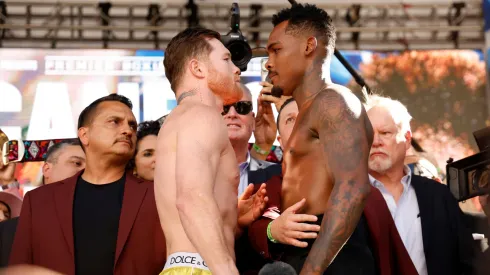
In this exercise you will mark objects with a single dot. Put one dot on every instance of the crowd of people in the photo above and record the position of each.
(189, 197)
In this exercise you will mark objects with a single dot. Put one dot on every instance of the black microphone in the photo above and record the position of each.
(277, 268)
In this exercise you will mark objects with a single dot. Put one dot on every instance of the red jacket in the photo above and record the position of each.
(44, 234)
(391, 255)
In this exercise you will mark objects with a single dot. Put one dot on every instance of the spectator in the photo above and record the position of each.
(143, 162)
(63, 160)
(426, 214)
(102, 220)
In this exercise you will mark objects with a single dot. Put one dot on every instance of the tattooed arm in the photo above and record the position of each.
(344, 131)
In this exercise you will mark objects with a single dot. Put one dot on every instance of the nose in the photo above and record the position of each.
(231, 113)
(128, 130)
(377, 142)
(236, 70)
(268, 64)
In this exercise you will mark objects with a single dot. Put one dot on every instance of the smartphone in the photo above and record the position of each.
(264, 73)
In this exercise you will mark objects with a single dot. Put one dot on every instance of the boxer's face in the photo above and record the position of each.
(223, 76)
(285, 49)
(388, 149)
(111, 132)
(145, 157)
(69, 161)
(286, 122)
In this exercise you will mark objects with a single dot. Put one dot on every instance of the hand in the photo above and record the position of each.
(278, 102)
(251, 207)
(7, 173)
(265, 125)
(288, 228)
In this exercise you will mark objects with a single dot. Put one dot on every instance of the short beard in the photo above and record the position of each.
(277, 91)
(221, 86)
(379, 165)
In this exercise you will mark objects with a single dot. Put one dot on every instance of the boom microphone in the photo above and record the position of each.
(277, 268)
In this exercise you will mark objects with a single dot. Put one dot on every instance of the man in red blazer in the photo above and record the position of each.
(102, 220)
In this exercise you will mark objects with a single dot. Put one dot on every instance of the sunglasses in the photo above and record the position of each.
(241, 107)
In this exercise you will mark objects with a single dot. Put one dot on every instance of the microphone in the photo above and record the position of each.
(277, 268)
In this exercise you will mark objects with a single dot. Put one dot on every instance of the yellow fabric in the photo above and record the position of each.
(178, 270)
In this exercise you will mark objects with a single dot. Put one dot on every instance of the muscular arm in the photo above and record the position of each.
(199, 147)
(342, 132)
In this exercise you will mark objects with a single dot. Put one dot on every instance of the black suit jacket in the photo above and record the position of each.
(448, 242)
(7, 234)
(248, 260)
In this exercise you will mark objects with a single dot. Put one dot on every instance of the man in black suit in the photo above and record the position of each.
(63, 160)
(426, 214)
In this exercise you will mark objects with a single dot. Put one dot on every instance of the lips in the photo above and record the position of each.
(375, 154)
(233, 126)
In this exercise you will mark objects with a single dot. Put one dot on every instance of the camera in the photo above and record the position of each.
(235, 42)
(470, 177)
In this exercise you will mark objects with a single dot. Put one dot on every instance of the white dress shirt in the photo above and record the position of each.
(406, 215)
(243, 167)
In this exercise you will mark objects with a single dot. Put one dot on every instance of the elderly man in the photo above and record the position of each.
(427, 216)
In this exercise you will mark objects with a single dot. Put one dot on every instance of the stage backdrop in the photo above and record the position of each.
(42, 92)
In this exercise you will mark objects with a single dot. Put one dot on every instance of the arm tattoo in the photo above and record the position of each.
(184, 95)
(346, 149)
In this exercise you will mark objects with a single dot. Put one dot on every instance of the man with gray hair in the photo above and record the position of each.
(426, 215)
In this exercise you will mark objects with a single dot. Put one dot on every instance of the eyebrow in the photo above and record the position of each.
(77, 157)
(272, 44)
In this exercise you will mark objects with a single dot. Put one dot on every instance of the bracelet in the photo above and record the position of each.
(260, 150)
(269, 234)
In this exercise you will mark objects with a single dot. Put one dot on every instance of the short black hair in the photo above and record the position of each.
(145, 128)
(289, 100)
(87, 115)
(53, 151)
(308, 18)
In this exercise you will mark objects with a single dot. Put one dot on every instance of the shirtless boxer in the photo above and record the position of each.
(326, 157)
(196, 179)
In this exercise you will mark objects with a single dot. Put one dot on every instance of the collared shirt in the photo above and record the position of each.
(406, 215)
(243, 167)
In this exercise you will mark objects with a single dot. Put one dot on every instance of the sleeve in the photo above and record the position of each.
(22, 246)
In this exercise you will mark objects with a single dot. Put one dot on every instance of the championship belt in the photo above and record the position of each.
(27, 150)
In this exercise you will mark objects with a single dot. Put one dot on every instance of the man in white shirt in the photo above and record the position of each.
(426, 215)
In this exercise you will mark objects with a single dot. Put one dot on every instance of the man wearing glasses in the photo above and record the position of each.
(241, 123)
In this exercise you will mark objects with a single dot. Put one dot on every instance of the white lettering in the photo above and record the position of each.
(51, 115)
(10, 101)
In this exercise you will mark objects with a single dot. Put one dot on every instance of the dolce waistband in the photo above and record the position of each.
(184, 259)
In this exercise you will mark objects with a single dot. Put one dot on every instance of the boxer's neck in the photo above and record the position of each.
(315, 79)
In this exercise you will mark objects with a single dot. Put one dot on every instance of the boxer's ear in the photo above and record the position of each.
(83, 136)
(197, 68)
(311, 45)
